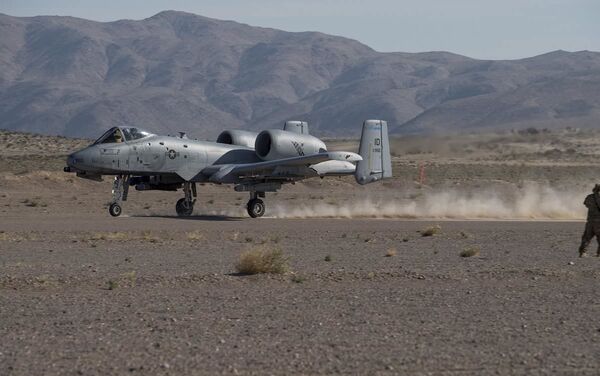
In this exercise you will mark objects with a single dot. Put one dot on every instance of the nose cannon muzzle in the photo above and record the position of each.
(74, 162)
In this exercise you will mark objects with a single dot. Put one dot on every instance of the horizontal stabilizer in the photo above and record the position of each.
(230, 173)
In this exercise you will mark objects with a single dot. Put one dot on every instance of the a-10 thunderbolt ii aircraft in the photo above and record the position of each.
(253, 162)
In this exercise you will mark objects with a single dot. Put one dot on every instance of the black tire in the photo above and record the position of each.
(256, 208)
(115, 210)
(184, 209)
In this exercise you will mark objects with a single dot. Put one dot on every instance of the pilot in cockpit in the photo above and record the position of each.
(118, 136)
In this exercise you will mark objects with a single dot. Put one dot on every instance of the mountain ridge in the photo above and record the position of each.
(179, 71)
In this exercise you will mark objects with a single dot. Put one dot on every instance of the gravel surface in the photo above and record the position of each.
(82, 293)
(85, 294)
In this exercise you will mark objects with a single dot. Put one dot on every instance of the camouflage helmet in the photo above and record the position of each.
(596, 188)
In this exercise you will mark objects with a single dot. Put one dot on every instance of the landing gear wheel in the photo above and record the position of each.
(184, 208)
(256, 208)
(115, 210)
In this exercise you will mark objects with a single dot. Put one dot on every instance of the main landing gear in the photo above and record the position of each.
(185, 206)
(256, 206)
(119, 194)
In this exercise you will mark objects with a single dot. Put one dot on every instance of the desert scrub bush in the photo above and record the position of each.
(431, 231)
(262, 260)
(43, 280)
(328, 258)
(12, 237)
(112, 285)
(149, 237)
(195, 235)
(470, 252)
(129, 277)
(117, 235)
(297, 278)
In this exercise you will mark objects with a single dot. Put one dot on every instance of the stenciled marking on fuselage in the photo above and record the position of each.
(298, 147)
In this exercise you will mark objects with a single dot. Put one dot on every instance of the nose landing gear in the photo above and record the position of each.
(119, 193)
(185, 206)
(256, 207)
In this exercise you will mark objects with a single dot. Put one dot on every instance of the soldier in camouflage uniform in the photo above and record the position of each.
(592, 226)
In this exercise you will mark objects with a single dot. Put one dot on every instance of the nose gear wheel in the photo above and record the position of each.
(115, 210)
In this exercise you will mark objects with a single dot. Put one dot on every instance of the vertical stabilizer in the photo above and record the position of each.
(375, 150)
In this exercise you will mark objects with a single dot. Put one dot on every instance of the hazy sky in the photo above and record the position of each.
(501, 29)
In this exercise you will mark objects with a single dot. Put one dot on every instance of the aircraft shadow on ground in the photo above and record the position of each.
(193, 217)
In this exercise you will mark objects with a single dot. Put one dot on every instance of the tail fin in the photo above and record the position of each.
(375, 150)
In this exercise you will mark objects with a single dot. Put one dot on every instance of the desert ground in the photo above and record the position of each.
(364, 291)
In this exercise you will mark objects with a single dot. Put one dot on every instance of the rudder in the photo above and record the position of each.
(375, 150)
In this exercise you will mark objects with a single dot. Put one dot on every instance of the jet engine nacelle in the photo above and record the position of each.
(276, 144)
(238, 137)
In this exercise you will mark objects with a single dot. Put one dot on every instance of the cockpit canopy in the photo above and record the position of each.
(120, 134)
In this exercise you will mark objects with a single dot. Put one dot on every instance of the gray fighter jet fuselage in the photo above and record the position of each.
(253, 162)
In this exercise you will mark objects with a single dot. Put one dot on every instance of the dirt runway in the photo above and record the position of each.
(82, 293)
(90, 294)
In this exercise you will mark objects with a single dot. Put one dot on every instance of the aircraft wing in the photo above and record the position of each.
(232, 172)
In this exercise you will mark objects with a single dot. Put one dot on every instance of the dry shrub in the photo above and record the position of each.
(262, 260)
(109, 236)
(11, 237)
(470, 252)
(195, 235)
(298, 278)
(149, 237)
(431, 231)
(390, 252)
(112, 285)
(43, 280)
(129, 277)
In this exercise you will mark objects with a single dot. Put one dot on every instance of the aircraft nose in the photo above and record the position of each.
(76, 159)
(72, 160)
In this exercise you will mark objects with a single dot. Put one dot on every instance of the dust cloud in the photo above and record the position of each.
(531, 202)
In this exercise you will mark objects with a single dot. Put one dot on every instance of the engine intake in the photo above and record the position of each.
(277, 144)
(237, 137)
